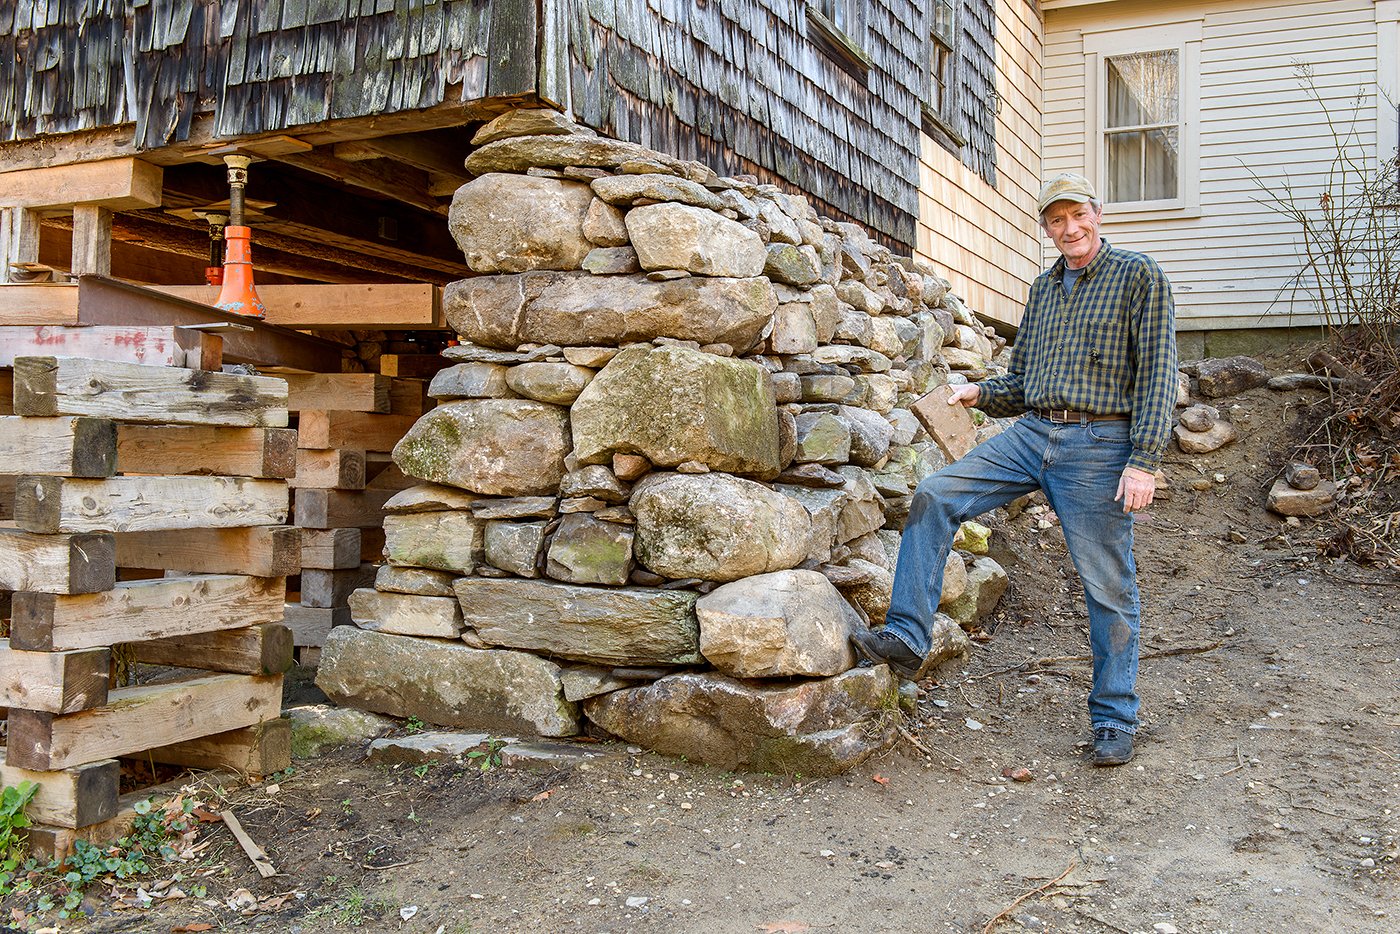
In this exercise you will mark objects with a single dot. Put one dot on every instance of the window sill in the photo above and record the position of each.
(940, 131)
(837, 45)
(1150, 210)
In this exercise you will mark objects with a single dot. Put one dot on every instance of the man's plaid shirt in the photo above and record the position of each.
(1107, 348)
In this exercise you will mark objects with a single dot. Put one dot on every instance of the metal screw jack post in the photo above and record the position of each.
(237, 293)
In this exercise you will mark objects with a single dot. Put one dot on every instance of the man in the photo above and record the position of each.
(1094, 369)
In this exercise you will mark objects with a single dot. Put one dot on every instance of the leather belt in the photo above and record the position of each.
(1071, 417)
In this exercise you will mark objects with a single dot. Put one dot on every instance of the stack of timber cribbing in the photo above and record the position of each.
(114, 466)
(347, 423)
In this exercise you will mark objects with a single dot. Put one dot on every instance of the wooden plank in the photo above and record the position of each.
(39, 303)
(7, 392)
(388, 306)
(56, 563)
(145, 504)
(330, 588)
(381, 473)
(66, 446)
(145, 345)
(206, 449)
(119, 184)
(7, 499)
(19, 241)
(135, 611)
(346, 392)
(260, 749)
(330, 549)
(75, 797)
(336, 468)
(253, 650)
(409, 397)
(258, 551)
(340, 509)
(58, 682)
(141, 718)
(134, 393)
(310, 625)
(364, 431)
(412, 365)
(250, 848)
(92, 240)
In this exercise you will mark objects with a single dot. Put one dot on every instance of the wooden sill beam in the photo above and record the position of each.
(387, 306)
(117, 184)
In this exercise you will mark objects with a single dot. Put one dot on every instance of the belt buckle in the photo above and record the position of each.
(1062, 418)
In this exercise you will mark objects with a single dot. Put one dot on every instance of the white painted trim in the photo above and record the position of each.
(1387, 78)
(1185, 37)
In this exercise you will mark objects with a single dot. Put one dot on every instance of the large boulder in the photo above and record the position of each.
(446, 683)
(811, 727)
(777, 625)
(521, 153)
(515, 223)
(717, 527)
(1229, 375)
(624, 189)
(679, 236)
(674, 405)
(986, 583)
(497, 447)
(1287, 501)
(588, 551)
(605, 625)
(581, 309)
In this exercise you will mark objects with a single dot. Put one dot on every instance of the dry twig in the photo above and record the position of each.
(1006, 912)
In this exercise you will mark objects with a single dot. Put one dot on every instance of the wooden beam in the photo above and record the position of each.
(116, 184)
(161, 395)
(92, 240)
(74, 797)
(331, 588)
(135, 611)
(330, 549)
(40, 303)
(56, 563)
(339, 509)
(7, 392)
(428, 154)
(147, 504)
(409, 397)
(397, 183)
(260, 749)
(259, 551)
(201, 449)
(331, 306)
(67, 446)
(253, 650)
(346, 392)
(310, 625)
(413, 365)
(19, 241)
(140, 718)
(335, 469)
(151, 345)
(58, 682)
(364, 431)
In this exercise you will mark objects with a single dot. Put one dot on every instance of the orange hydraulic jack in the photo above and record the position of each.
(237, 293)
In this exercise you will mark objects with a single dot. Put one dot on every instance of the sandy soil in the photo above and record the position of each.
(1263, 797)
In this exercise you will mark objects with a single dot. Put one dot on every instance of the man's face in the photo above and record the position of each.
(1075, 229)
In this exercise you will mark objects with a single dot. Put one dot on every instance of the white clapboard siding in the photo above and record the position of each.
(983, 238)
(1233, 265)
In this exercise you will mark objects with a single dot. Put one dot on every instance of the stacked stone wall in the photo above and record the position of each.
(668, 468)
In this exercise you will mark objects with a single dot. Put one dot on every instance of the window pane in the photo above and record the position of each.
(943, 19)
(1160, 149)
(1143, 89)
(940, 68)
(1125, 167)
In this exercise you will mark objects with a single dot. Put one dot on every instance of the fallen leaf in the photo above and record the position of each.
(207, 817)
(543, 795)
(879, 780)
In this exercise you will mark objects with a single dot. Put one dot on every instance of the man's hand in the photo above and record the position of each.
(966, 394)
(1135, 489)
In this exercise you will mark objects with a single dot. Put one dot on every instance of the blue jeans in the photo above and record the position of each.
(1078, 467)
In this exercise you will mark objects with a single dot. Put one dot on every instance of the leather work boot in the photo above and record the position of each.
(1112, 747)
(881, 648)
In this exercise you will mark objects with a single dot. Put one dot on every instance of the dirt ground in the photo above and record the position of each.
(1263, 797)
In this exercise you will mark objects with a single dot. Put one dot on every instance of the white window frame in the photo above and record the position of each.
(1387, 78)
(1185, 39)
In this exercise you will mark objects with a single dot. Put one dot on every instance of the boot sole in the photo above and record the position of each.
(900, 669)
